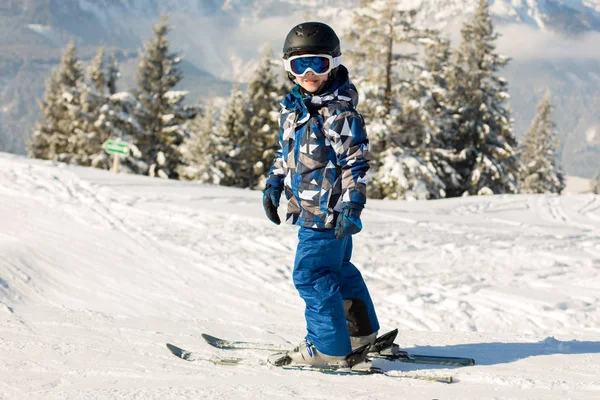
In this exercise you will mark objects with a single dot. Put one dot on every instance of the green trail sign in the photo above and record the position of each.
(113, 147)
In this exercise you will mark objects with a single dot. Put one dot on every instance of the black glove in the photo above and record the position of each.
(271, 196)
(348, 221)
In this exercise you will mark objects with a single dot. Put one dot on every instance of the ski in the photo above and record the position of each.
(384, 348)
(393, 353)
(235, 345)
(364, 368)
(194, 357)
(367, 369)
(381, 342)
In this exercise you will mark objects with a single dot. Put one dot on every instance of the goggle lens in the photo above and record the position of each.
(319, 65)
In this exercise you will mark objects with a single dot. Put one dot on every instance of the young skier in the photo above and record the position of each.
(322, 164)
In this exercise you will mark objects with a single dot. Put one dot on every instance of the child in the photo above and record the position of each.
(322, 164)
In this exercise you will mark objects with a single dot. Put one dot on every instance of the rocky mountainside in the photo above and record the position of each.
(220, 40)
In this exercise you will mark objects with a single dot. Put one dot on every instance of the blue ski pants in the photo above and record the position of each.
(338, 304)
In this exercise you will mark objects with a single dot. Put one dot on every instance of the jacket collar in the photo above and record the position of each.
(340, 88)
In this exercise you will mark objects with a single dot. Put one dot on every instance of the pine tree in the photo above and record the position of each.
(86, 141)
(113, 116)
(236, 143)
(424, 118)
(118, 119)
(112, 74)
(406, 176)
(54, 136)
(158, 73)
(375, 63)
(541, 174)
(70, 70)
(198, 151)
(47, 140)
(437, 106)
(265, 91)
(398, 102)
(96, 72)
(485, 147)
(595, 183)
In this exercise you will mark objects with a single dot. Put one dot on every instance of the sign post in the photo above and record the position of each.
(117, 149)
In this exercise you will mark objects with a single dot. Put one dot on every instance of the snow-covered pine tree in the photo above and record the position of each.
(377, 30)
(86, 141)
(393, 112)
(47, 141)
(96, 72)
(542, 172)
(198, 151)
(485, 147)
(595, 183)
(118, 119)
(53, 137)
(265, 91)
(70, 70)
(165, 122)
(236, 143)
(112, 116)
(112, 74)
(87, 138)
(438, 108)
(424, 118)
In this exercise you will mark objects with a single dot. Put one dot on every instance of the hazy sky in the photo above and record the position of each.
(525, 42)
(230, 49)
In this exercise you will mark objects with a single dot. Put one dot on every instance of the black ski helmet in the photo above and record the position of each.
(309, 37)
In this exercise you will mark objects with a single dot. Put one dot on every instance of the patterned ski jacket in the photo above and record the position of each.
(322, 159)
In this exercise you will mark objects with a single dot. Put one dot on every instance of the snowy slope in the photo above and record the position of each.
(98, 272)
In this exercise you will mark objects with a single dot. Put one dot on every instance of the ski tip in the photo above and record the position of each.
(172, 347)
(393, 333)
(213, 341)
(178, 351)
(207, 337)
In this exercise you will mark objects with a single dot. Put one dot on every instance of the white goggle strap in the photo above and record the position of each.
(337, 61)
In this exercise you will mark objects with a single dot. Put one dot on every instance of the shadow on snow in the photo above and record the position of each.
(499, 353)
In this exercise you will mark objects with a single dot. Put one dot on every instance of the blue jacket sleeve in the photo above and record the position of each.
(278, 170)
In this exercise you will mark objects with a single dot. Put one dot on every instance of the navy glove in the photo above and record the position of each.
(348, 221)
(271, 196)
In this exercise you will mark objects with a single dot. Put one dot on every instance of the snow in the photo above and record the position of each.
(98, 271)
(592, 136)
(576, 185)
(45, 31)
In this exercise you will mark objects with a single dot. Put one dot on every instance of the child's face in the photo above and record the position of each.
(311, 82)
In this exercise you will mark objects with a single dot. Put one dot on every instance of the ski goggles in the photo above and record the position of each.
(319, 64)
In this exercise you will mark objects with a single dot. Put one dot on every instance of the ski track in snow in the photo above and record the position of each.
(489, 260)
(98, 271)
